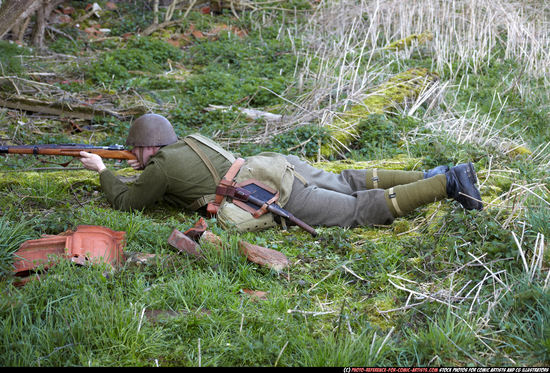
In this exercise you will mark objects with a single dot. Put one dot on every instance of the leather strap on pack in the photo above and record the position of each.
(263, 210)
(193, 142)
(227, 181)
(212, 145)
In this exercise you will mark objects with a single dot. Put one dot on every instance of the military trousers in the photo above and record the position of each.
(330, 199)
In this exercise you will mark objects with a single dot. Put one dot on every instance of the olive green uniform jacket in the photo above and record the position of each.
(176, 175)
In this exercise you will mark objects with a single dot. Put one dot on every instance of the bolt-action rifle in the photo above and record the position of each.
(72, 150)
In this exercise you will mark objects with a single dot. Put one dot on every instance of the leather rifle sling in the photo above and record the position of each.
(227, 181)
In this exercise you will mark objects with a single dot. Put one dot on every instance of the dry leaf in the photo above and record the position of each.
(255, 294)
(198, 34)
(67, 10)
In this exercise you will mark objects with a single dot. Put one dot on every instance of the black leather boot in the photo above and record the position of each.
(460, 186)
(435, 171)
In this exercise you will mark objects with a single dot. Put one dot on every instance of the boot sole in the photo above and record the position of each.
(472, 176)
(471, 173)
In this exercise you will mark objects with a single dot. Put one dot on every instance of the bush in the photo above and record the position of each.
(233, 71)
(141, 54)
(380, 136)
(303, 140)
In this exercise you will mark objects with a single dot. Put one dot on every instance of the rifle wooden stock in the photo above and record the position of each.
(71, 150)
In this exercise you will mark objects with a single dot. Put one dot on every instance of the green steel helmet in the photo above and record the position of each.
(151, 130)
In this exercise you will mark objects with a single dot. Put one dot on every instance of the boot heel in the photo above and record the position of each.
(472, 173)
(460, 186)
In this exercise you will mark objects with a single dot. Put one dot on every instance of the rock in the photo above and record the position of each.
(264, 256)
(211, 239)
(183, 243)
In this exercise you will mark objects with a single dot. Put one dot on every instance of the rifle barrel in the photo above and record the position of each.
(73, 150)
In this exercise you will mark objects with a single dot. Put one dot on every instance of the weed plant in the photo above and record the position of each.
(142, 54)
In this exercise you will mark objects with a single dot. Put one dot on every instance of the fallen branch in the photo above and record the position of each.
(63, 108)
(95, 10)
(159, 26)
(421, 295)
(253, 114)
(409, 41)
(313, 313)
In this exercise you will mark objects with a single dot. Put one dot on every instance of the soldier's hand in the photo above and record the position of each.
(135, 164)
(92, 161)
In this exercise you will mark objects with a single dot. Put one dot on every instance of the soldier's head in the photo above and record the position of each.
(147, 134)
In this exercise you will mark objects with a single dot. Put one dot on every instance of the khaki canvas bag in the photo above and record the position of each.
(271, 169)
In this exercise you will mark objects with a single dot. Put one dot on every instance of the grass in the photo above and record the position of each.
(440, 287)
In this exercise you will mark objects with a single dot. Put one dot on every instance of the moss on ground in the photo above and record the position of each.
(400, 162)
(409, 41)
(399, 90)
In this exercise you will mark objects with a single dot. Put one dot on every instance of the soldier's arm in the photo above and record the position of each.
(148, 189)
